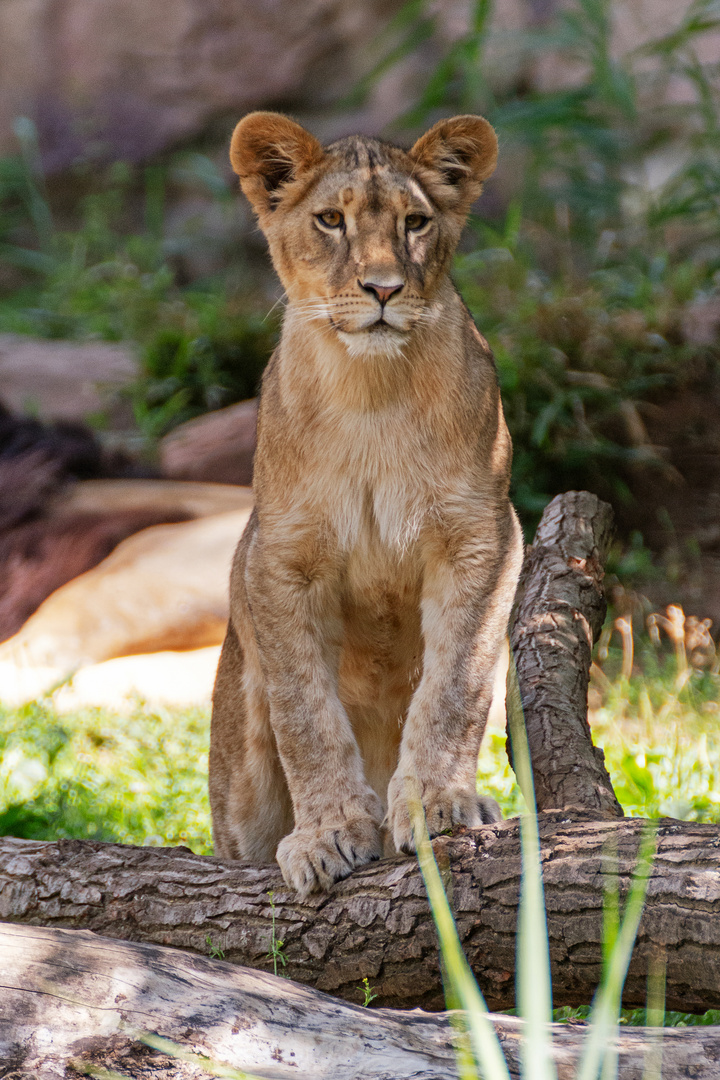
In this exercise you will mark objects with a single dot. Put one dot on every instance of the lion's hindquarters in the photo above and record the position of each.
(249, 798)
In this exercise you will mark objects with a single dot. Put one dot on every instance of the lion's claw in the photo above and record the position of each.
(313, 859)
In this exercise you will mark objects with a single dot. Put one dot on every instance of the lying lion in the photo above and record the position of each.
(371, 589)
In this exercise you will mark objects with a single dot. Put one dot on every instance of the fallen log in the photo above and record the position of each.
(377, 924)
(74, 1003)
(560, 609)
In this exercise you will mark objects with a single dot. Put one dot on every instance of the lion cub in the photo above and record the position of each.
(372, 586)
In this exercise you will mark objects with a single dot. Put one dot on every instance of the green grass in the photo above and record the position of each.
(637, 1017)
(662, 746)
(660, 736)
(142, 778)
(96, 775)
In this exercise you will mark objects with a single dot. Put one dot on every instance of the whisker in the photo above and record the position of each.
(282, 299)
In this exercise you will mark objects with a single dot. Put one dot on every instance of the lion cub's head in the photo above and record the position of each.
(360, 232)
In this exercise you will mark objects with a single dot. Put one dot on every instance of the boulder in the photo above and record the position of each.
(127, 78)
(61, 380)
(217, 447)
(165, 588)
(124, 79)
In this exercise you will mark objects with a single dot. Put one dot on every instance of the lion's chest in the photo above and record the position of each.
(374, 480)
(381, 654)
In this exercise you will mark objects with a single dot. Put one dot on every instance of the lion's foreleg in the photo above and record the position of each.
(294, 598)
(466, 603)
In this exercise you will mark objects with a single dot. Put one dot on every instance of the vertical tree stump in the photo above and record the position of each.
(560, 611)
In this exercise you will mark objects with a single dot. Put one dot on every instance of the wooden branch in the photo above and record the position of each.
(560, 612)
(377, 923)
(73, 1003)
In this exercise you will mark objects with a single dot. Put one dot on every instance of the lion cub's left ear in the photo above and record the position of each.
(268, 151)
(461, 152)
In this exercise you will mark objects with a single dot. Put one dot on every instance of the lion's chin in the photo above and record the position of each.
(375, 341)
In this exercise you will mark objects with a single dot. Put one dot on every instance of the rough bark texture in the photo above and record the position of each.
(560, 612)
(377, 923)
(73, 1001)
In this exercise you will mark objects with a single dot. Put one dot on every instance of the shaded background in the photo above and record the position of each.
(138, 309)
(592, 264)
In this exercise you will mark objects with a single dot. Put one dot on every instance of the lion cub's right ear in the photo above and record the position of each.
(268, 151)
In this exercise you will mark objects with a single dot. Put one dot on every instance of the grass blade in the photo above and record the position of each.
(606, 1006)
(465, 990)
(655, 1016)
(38, 205)
(533, 979)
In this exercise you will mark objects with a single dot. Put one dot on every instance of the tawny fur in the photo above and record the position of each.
(371, 589)
(42, 548)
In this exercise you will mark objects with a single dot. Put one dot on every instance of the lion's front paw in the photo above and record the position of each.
(444, 808)
(312, 859)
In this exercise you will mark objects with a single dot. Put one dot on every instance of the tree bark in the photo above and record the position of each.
(377, 924)
(74, 1002)
(560, 611)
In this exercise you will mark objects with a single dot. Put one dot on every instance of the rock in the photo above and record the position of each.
(62, 380)
(124, 79)
(217, 447)
(132, 77)
(163, 588)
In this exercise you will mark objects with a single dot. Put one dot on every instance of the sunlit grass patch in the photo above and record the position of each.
(142, 779)
(659, 728)
(662, 750)
(656, 717)
(138, 779)
(495, 777)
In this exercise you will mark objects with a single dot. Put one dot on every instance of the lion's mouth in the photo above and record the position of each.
(380, 326)
(377, 339)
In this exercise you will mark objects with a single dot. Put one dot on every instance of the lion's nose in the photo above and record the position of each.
(382, 292)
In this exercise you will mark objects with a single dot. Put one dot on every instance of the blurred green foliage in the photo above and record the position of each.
(608, 229)
(638, 1017)
(604, 228)
(200, 347)
(138, 779)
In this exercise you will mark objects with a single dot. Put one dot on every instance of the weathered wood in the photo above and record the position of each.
(73, 1001)
(560, 611)
(377, 923)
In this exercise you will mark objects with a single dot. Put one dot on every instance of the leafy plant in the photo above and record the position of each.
(215, 952)
(277, 945)
(200, 347)
(186, 376)
(368, 992)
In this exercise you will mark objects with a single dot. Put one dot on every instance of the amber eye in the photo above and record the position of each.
(415, 222)
(331, 219)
